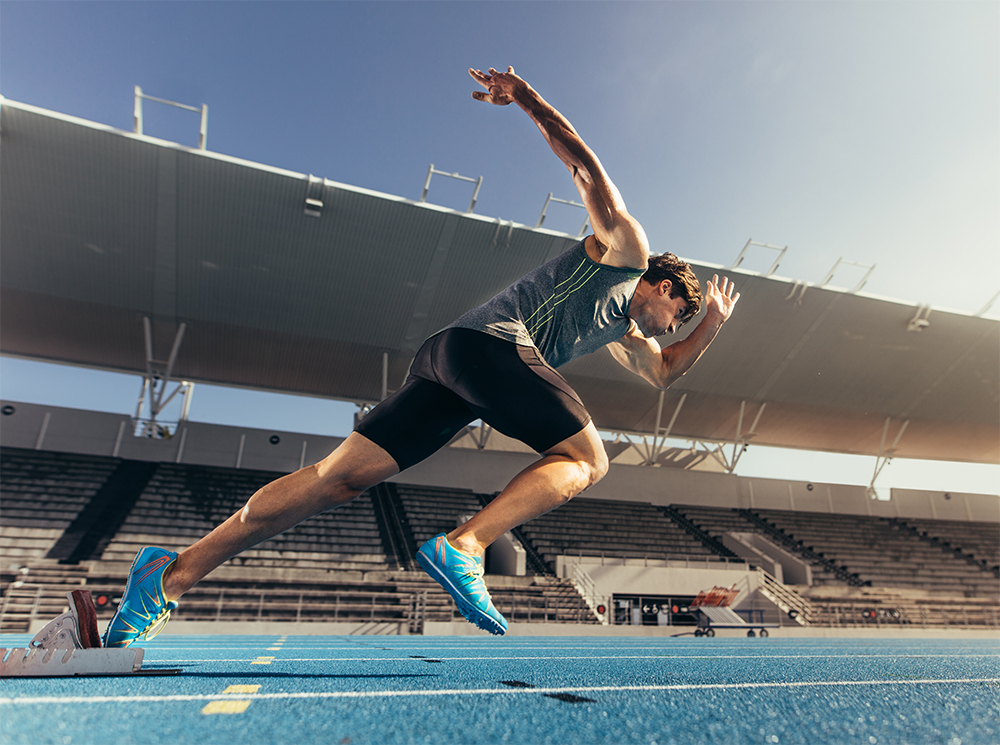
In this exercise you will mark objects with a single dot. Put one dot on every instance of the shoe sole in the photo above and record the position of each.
(469, 611)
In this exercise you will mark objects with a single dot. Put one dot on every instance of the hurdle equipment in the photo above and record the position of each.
(69, 646)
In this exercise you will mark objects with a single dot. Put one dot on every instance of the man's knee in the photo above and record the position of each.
(596, 467)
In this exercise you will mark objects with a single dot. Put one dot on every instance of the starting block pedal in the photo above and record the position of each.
(69, 645)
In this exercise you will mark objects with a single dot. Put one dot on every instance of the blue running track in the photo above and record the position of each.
(364, 690)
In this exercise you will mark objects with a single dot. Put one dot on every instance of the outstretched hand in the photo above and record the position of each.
(720, 298)
(500, 86)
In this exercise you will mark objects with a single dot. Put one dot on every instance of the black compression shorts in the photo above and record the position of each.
(461, 375)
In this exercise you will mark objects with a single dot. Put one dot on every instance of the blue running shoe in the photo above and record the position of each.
(143, 610)
(462, 576)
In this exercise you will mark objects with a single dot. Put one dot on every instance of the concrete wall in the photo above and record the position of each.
(96, 433)
(613, 578)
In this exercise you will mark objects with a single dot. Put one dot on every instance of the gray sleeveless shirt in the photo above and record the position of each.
(568, 307)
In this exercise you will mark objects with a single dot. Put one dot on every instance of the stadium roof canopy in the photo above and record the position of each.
(100, 228)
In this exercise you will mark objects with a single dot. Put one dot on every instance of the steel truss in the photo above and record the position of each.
(154, 387)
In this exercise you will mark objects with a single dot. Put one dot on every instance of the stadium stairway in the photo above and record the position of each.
(881, 552)
(975, 543)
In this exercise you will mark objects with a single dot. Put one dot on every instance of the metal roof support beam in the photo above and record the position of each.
(884, 456)
(741, 441)
(921, 319)
(777, 262)
(481, 436)
(137, 115)
(155, 382)
(864, 279)
(571, 203)
(644, 455)
(475, 193)
(657, 447)
(982, 311)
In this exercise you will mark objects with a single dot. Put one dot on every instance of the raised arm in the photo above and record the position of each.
(620, 236)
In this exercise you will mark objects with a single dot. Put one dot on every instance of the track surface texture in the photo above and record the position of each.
(365, 690)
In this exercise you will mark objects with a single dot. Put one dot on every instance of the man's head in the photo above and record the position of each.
(669, 296)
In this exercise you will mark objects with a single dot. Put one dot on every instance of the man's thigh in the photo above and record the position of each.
(416, 421)
(510, 387)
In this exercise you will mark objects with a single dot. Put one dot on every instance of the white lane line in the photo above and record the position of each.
(48, 700)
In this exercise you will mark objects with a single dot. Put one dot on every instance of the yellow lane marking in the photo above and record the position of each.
(262, 661)
(273, 649)
(231, 706)
(242, 689)
(226, 707)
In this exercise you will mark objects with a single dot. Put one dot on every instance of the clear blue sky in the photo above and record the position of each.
(868, 131)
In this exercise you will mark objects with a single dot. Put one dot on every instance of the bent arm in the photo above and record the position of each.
(617, 231)
(664, 367)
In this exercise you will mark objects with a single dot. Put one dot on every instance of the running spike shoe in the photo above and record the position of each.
(462, 576)
(143, 610)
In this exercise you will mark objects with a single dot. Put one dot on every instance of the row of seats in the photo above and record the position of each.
(43, 491)
(598, 527)
(182, 503)
(46, 490)
(981, 540)
(879, 551)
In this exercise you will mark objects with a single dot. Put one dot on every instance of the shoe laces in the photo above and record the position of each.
(156, 625)
(476, 571)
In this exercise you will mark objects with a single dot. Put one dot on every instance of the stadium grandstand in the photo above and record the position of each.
(127, 253)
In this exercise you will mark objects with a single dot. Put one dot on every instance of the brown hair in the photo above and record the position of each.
(685, 284)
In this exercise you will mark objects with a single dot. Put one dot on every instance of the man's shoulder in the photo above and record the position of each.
(624, 255)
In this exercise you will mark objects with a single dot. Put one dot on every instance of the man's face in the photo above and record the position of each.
(663, 314)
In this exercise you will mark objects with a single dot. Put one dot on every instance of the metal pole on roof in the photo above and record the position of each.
(864, 279)
(570, 202)
(475, 195)
(987, 306)
(203, 131)
(137, 112)
(475, 192)
(427, 183)
(752, 242)
(739, 259)
(137, 115)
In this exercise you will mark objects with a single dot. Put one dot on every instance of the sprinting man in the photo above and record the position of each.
(496, 363)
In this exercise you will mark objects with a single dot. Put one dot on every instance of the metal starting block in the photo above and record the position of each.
(66, 663)
(69, 646)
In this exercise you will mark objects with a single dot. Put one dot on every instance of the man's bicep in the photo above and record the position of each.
(638, 355)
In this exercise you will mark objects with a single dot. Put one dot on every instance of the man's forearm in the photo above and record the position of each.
(564, 140)
(680, 356)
